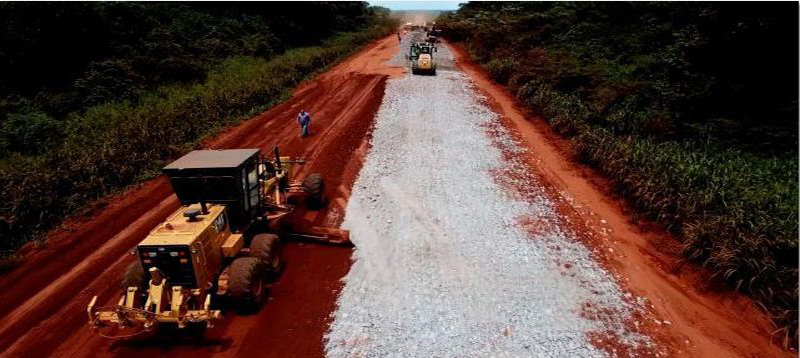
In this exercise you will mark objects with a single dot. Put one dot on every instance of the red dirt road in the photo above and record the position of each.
(44, 312)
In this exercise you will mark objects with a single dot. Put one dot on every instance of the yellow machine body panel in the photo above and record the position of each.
(204, 237)
(425, 62)
(178, 230)
(232, 245)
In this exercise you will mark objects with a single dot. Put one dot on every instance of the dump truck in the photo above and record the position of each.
(220, 249)
(421, 58)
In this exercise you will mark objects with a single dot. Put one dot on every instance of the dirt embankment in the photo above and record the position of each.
(695, 321)
(44, 311)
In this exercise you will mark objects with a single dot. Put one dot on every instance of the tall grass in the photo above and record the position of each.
(115, 145)
(736, 212)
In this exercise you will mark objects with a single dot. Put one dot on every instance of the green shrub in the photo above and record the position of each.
(72, 56)
(107, 81)
(27, 131)
(501, 69)
(735, 212)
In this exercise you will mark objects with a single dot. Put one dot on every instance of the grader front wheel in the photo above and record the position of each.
(314, 188)
(246, 285)
(133, 277)
(264, 247)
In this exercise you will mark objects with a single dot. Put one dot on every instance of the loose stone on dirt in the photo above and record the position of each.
(442, 266)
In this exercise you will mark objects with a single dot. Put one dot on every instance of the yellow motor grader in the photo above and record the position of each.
(216, 248)
(421, 58)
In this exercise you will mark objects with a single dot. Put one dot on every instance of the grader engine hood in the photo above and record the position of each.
(425, 61)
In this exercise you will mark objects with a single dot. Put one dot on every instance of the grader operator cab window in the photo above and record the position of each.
(255, 193)
(220, 223)
(414, 52)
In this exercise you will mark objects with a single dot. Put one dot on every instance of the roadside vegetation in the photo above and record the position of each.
(690, 108)
(95, 97)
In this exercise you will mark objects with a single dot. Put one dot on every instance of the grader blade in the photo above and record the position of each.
(323, 235)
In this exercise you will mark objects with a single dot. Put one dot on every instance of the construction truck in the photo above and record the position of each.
(219, 249)
(421, 58)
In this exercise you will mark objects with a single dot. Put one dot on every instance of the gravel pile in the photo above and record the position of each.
(443, 265)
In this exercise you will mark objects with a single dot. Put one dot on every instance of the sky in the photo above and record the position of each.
(418, 5)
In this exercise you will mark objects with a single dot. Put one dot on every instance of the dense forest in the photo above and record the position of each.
(97, 96)
(62, 58)
(691, 108)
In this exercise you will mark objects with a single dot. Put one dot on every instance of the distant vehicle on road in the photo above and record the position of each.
(432, 38)
(421, 57)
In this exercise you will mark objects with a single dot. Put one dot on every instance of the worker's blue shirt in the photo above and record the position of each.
(303, 118)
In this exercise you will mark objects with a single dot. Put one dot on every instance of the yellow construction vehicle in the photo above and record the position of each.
(215, 249)
(421, 58)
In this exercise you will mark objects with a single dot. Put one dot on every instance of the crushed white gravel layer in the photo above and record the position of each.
(442, 266)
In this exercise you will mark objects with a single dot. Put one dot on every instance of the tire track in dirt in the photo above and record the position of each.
(44, 315)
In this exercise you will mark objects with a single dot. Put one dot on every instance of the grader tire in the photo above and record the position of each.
(314, 188)
(264, 247)
(133, 276)
(246, 284)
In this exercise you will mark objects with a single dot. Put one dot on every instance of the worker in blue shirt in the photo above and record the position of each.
(304, 120)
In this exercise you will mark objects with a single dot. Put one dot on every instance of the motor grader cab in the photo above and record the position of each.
(215, 249)
(421, 58)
